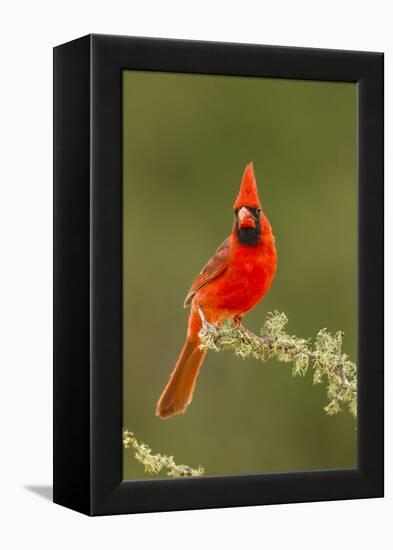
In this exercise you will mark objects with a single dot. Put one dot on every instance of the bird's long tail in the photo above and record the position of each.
(178, 392)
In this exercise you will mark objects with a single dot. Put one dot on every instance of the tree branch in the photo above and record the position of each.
(154, 463)
(330, 365)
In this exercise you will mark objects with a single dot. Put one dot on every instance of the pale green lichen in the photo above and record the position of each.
(154, 463)
(325, 356)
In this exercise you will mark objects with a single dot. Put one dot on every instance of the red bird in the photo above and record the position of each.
(232, 282)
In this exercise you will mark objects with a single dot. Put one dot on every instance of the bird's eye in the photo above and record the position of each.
(259, 210)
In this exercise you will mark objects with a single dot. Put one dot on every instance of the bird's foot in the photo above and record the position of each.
(237, 321)
(205, 323)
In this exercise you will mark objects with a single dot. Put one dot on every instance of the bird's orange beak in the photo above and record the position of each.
(245, 218)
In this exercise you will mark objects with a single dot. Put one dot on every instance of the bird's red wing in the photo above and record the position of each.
(214, 267)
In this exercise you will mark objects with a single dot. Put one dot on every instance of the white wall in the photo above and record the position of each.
(29, 29)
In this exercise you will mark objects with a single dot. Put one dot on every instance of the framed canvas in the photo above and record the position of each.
(163, 149)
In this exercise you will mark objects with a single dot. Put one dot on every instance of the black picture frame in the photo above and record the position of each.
(88, 274)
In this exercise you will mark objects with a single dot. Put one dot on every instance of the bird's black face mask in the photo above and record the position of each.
(249, 235)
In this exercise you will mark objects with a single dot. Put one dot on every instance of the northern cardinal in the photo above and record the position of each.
(232, 282)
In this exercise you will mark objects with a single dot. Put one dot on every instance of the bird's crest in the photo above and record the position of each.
(248, 194)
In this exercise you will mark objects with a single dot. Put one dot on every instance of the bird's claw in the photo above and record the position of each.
(205, 323)
(237, 321)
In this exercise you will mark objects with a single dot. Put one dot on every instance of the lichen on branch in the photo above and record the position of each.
(154, 463)
(325, 355)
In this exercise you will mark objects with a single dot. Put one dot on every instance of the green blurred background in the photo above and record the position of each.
(187, 139)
